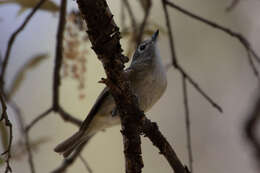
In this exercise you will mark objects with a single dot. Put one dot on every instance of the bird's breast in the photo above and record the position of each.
(150, 86)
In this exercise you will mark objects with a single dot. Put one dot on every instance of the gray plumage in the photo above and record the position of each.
(148, 81)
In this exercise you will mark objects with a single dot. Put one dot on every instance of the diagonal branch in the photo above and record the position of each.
(12, 39)
(198, 88)
(25, 134)
(104, 36)
(85, 164)
(236, 35)
(187, 119)
(151, 130)
(232, 5)
(38, 118)
(69, 161)
(176, 64)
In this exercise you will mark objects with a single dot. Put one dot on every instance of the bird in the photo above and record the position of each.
(148, 81)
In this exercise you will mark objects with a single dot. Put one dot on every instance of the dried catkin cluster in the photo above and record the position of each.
(75, 51)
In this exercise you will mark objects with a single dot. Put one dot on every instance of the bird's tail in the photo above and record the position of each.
(69, 145)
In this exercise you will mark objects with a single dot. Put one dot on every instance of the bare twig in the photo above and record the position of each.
(68, 117)
(56, 75)
(59, 55)
(151, 130)
(122, 15)
(238, 36)
(187, 120)
(131, 14)
(104, 36)
(250, 129)
(85, 164)
(252, 64)
(175, 61)
(197, 87)
(169, 28)
(143, 24)
(232, 5)
(4, 117)
(26, 135)
(69, 161)
(2, 76)
(38, 118)
(12, 39)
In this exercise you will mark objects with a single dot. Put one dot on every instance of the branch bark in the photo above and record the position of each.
(151, 130)
(104, 36)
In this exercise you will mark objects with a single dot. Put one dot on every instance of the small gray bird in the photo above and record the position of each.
(148, 80)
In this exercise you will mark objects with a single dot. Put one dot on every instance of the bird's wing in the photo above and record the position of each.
(102, 96)
(100, 100)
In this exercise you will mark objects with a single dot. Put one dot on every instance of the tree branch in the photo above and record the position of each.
(85, 163)
(104, 36)
(169, 29)
(131, 14)
(232, 5)
(69, 161)
(59, 55)
(144, 22)
(4, 117)
(38, 118)
(25, 134)
(151, 130)
(12, 39)
(251, 127)
(175, 63)
(187, 120)
(236, 35)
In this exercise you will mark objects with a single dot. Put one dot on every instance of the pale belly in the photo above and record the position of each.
(148, 91)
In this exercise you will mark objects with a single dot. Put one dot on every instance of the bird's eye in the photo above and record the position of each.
(142, 47)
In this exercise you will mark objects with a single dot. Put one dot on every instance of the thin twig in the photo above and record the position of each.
(67, 117)
(250, 129)
(122, 15)
(85, 163)
(232, 5)
(187, 120)
(131, 14)
(4, 117)
(69, 161)
(151, 130)
(175, 62)
(143, 24)
(38, 118)
(56, 75)
(197, 87)
(238, 36)
(59, 55)
(252, 64)
(104, 36)
(26, 135)
(169, 28)
(12, 39)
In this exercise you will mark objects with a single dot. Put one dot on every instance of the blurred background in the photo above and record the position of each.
(215, 60)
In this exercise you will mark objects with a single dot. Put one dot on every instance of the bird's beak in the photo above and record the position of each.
(155, 35)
